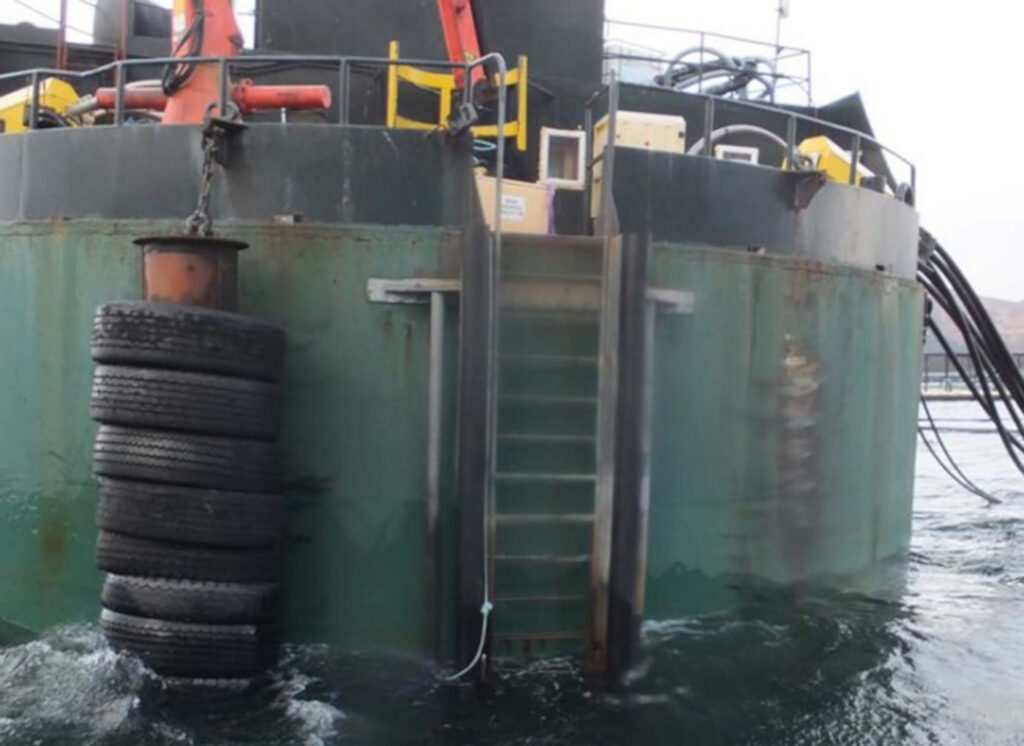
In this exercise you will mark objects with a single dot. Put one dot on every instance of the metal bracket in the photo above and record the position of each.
(676, 302)
(222, 130)
(464, 117)
(415, 290)
(805, 185)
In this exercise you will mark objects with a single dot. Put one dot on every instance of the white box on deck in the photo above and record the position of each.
(636, 129)
(525, 207)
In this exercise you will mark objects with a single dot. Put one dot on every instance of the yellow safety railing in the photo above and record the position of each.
(445, 85)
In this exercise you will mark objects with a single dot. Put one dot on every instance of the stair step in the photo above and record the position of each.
(576, 401)
(547, 559)
(530, 518)
(546, 277)
(528, 477)
(568, 254)
(549, 359)
(543, 599)
(544, 438)
(549, 333)
(538, 636)
(581, 318)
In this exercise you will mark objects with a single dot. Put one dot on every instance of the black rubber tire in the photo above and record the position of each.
(185, 459)
(128, 555)
(188, 402)
(204, 651)
(192, 601)
(190, 515)
(168, 335)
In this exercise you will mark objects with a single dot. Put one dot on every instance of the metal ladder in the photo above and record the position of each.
(543, 521)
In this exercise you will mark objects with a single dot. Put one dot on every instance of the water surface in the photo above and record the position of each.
(941, 664)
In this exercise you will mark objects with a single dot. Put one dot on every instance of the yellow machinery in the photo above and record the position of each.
(824, 155)
(55, 96)
(445, 85)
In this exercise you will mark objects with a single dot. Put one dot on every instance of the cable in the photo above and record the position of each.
(984, 496)
(967, 483)
(996, 379)
(176, 76)
(736, 73)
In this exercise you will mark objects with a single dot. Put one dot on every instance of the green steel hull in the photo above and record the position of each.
(782, 442)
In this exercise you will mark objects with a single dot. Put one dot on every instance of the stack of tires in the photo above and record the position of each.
(190, 516)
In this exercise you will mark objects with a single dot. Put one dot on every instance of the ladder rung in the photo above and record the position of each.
(577, 401)
(540, 599)
(538, 636)
(552, 559)
(550, 359)
(542, 438)
(545, 518)
(530, 477)
(574, 317)
(550, 277)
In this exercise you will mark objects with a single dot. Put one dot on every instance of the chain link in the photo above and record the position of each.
(200, 223)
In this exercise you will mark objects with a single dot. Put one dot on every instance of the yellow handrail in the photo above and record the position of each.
(445, 85)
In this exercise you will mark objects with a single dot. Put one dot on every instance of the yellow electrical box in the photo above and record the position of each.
(636, 129)
(55, 96)
(824, 155)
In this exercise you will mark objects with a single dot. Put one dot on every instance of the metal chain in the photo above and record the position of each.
(200, 223)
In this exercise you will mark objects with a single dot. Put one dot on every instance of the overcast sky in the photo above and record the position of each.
(938, 79)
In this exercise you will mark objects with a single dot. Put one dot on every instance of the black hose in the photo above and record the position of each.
(996, 380)
(176, 76)
(959, 477)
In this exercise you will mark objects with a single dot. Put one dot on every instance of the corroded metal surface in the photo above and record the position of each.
(784, 424)
(193, 270)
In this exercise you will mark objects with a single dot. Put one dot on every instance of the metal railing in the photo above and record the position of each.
(227, 65)
(939, 373)
(790, 67)
(788, 120)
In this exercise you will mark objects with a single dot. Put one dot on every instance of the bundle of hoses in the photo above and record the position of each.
(698, 67)
(190, 516)
(991, 373)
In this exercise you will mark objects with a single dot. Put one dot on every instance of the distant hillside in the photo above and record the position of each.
(1008, 317)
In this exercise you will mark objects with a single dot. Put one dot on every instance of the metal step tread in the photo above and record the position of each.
(553, 559)
(544, 517)
(541, 599)
(554, 242)
(507, 276)
(549, 359)
(545, 399)
(543, 314)
(537, 477)
(533, 636)
(542, 438)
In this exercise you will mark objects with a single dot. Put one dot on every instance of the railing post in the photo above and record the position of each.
(700, 75)
(343, 92)
(224, 80)
(588, 184)
(121, 82)
(854, 159)
(709, 126)
(33, 109)
(791, 143)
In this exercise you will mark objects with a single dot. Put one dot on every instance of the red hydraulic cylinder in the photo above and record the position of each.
(247, 97)
(250, 97)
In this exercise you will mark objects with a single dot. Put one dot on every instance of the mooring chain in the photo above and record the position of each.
(215, 133)
(200, 223)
